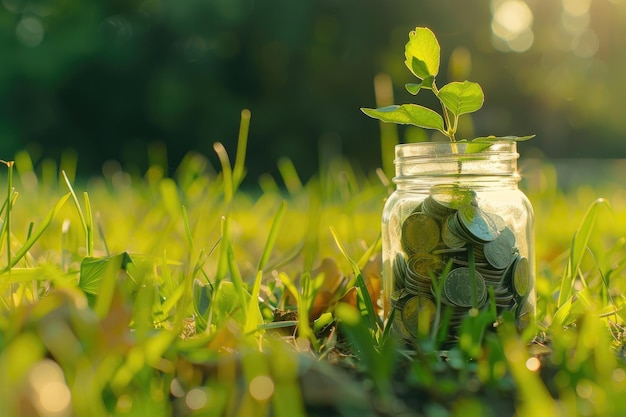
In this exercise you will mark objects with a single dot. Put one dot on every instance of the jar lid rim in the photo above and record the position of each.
(430, 149)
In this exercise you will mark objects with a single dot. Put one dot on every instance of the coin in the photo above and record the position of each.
(458, 287)
(420, 233)
(508, 235)
(453, 196)
(399, 271)
(524, 313)
(498, 252)
(399, 327)
(418, 314)
(425, 265)
(521, 276)
(449, 235)
(497, 220)
(442, 230)
(436, 209)
(477, 223)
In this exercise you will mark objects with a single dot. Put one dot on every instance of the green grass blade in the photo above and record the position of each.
(81, 214)
(188, 234)
(254, 317)
(304, 329)
(577, 250)
(89, 224)
(37, 233)
(374, 247)
(237, 280)
(360, 283)
(581, 238)
(222, 261)
(290, 175)
(227, 173)
(7, 217)
(383, 89)
(271, 239)
(242, 145)
(533, 393)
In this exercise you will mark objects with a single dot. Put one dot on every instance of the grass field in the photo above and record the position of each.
(149, 295)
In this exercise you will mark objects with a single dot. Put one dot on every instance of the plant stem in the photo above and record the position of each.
(449, 128)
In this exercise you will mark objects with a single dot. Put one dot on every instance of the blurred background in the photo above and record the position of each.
(110, 79)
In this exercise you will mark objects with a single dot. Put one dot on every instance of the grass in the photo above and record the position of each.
(186, 296)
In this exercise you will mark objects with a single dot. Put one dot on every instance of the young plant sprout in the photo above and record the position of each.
(422, 54)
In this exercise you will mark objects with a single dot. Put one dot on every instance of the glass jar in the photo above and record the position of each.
(458, 234)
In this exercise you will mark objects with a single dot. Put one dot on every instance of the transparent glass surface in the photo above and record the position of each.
(458, 234)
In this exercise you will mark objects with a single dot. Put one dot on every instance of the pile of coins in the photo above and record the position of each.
(463, 250)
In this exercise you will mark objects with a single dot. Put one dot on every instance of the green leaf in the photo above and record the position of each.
(502, 138)
(476, 147)
(422, 53)
(573, 308)
(202, 294)
(415, 88)
(411, 114)
(462, 97)
(226, 304)
(94, 270)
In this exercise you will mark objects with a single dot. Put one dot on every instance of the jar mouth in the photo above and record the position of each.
(504, 149)
(425, 163)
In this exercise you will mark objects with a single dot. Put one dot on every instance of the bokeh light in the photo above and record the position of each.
(261, 387)
(196, 399)
(52, 396)
(533, 364)
(512, 25)
(30, 31)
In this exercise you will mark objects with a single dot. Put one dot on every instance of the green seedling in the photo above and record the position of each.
(422, 54)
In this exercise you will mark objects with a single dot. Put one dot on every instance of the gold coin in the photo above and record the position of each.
(399, 271)
(420, 233)
(449, 234)
(423, 266)
(435, 209)
(399, 327)
(418, 314)
(521, 276)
